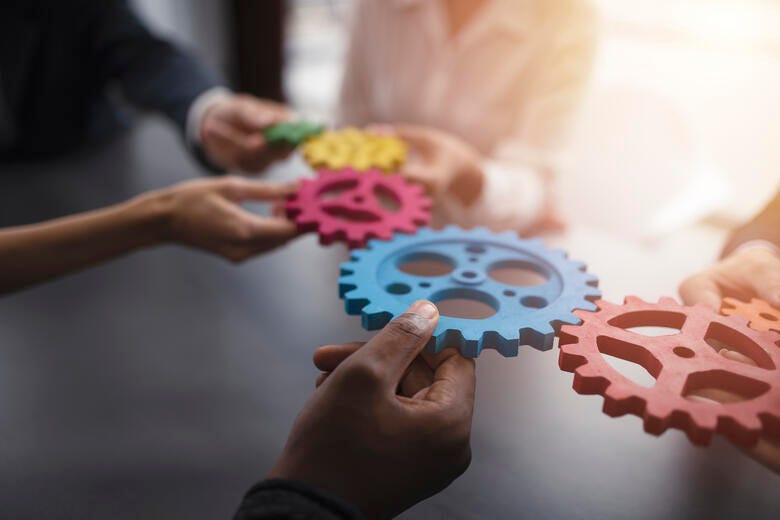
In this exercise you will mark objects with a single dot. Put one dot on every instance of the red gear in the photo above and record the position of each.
(759, 313)
(355, 214)
(681, 363)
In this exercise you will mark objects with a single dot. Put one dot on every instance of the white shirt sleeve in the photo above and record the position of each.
(512, 198)
(198, 109)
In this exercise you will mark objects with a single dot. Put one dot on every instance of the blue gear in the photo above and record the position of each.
(373, 285)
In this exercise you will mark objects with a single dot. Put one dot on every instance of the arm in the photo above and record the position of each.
(201, 214)
(223, 128)
(152, 72)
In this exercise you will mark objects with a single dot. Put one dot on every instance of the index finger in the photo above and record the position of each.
(454, 380)
(240, 188)
(701, 288)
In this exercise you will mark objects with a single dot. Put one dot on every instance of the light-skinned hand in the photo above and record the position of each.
(386, 428)
(232, 132)
(442, 162)
(206, 214)
(753, 272)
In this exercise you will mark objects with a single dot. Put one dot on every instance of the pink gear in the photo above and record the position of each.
(345, 205)
(688, 363)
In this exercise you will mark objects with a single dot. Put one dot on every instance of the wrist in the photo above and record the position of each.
(151, 214)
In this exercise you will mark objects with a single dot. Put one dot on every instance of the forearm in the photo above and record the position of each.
(35, 253)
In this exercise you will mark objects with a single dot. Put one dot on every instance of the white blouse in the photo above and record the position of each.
(507, 83)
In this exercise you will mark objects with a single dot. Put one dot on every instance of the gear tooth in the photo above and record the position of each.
(533, 243)
(666, 300)
(633, 300)
(538, 339)
(375, 320)
(657, 416)
(353, 305)
(569, 320)
(587, 306)
(451, 338)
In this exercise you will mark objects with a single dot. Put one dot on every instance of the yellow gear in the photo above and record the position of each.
(350, 147)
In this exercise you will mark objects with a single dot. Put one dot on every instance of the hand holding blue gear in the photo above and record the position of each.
(373, 285)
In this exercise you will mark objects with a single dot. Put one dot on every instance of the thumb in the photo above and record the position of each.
(388, 355)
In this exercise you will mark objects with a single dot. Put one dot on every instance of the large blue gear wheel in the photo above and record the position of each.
(374, 286)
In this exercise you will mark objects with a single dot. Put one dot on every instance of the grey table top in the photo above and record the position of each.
(162, 385)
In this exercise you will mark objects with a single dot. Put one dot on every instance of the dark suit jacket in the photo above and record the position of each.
(766, 226)
(60, 61)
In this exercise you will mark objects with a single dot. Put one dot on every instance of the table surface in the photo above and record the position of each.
(162, 385)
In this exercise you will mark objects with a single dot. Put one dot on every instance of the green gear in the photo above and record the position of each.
(291, 133)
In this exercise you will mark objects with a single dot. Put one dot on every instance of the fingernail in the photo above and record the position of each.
(425, 309)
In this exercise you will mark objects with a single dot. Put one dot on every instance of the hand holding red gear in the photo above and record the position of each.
(355, 214)
(681, 364)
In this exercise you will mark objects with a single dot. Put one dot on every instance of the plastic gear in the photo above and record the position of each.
(355, 149)
(347, 205)
(291, 133)
(374, 286)
(682, 364)
(760, 314)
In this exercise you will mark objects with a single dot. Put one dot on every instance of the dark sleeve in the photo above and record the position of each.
(287, 499)
(152, 73)
(766, 226)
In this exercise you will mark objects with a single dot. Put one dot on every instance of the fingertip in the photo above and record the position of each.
(424, 308)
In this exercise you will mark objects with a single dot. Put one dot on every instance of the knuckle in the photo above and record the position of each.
(366, 374)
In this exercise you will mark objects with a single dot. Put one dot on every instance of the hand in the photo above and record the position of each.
(442, 162)
(749, 273)
(205, 214)
(382, 451)
(231, 132)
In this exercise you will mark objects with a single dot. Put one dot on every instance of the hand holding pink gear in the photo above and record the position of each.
(345, 205)
(689, 363)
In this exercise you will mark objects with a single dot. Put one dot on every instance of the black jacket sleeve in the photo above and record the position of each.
(286, 499)
(765, 226)
(152, 73)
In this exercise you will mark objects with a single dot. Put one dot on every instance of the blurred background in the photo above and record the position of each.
(681, 122)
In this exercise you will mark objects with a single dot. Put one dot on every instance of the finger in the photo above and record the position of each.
(240, 188)
(454, 380)
(255, 115)
(239, 149)
(767, 452)
(328, 357)
(388, 355)
(321, 379)
(416, 136)
(701, 288)
(767, 286)
(245, 229)
(418, 377)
